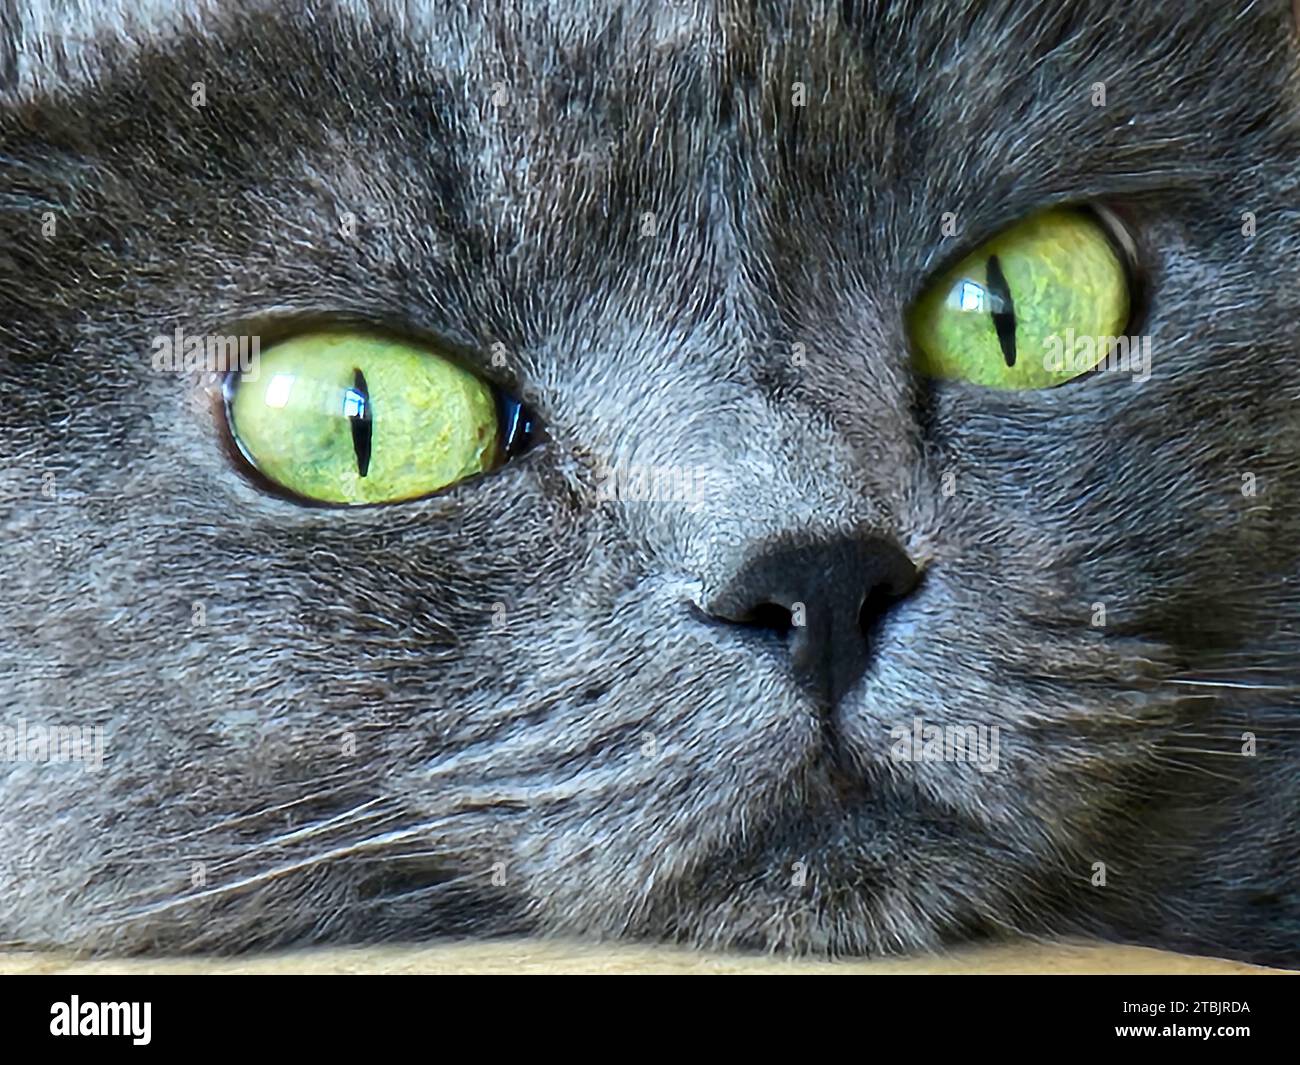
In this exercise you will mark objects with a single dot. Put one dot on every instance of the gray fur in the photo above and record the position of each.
(341, 741)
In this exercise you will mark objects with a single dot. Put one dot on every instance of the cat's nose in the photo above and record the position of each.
(824, 597)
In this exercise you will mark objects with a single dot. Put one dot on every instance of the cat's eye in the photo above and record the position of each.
(354, 418)
(1019, 310)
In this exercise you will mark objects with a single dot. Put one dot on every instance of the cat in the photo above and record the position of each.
(686, 237)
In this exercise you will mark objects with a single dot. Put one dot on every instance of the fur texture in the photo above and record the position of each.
(507, 708)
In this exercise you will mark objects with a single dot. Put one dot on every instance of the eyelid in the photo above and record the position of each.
(273, 327)
(1110, 218)
(1119, 231)
(1117, 226)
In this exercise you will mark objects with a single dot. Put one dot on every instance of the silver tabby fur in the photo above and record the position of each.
(504, 709)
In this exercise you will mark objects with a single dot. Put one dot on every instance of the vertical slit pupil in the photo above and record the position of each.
(359, 417)
(1003, 309)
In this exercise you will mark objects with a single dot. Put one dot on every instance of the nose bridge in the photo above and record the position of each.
(807, 485)
(835, 451)
(760, 487)
(764, 433)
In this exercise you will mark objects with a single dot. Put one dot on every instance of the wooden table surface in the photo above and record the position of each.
(536, 956)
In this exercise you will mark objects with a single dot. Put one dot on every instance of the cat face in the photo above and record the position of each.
(687, 239)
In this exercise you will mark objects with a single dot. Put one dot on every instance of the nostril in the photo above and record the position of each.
(771, 616)
(881, 598)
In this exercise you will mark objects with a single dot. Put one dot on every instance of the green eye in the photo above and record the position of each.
(342, 417)
(1012, 314)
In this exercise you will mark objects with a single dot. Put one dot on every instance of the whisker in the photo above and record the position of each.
(278, 872)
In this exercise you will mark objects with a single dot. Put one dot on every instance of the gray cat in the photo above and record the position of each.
(744, 626)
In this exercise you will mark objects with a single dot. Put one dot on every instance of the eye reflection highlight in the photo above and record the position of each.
(970, 296)
(277, 391)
